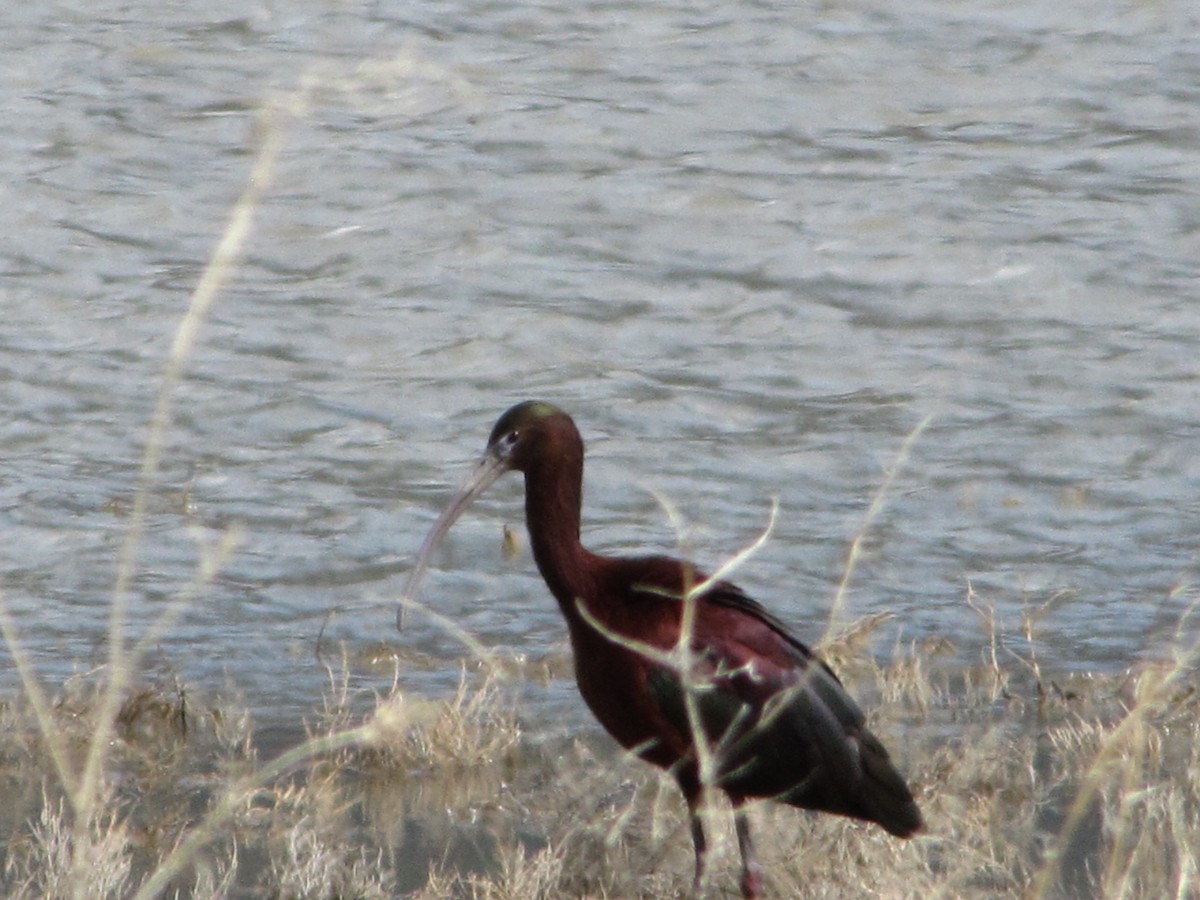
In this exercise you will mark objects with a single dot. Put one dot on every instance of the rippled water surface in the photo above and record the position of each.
(750, 247)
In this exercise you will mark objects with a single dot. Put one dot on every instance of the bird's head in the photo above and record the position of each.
(525, 433)
(529, 432)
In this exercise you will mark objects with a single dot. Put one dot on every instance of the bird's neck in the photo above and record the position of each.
(553, 504)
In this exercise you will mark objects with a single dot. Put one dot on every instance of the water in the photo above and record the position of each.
(749, 247)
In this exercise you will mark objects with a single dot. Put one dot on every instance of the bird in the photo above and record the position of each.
(685, 671)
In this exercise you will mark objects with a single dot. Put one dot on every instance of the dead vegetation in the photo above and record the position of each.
(1071, 787)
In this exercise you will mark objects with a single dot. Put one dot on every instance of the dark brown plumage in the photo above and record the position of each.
(774, 720)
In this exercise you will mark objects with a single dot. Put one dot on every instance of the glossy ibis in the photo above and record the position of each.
(687, 673)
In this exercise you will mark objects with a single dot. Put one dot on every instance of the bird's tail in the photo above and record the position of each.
(860, 782)
(883, 796)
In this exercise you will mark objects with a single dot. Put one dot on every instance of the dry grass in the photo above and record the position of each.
(1081, 788)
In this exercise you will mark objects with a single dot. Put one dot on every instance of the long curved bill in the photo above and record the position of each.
(490, 467)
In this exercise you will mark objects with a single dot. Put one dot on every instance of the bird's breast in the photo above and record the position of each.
(612, 678)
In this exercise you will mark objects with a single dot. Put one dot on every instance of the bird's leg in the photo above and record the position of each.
(751, 874)
(693, 793)
(700, 843)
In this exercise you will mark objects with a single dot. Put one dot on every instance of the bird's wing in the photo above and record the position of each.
(757, 689)
(777, 719)
(744, 655)
(729, 596)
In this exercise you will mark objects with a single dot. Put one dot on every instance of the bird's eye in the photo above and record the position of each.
(510, 440)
